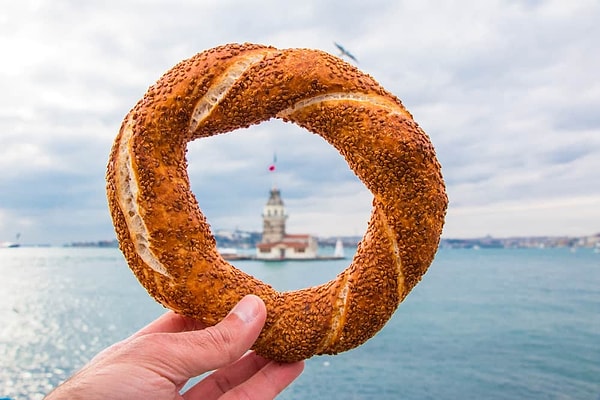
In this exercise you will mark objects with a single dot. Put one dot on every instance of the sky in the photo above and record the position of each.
(508, 91)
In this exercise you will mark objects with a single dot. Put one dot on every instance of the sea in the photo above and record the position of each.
(482, 324)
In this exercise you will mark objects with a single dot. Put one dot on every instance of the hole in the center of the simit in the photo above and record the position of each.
(278, 200)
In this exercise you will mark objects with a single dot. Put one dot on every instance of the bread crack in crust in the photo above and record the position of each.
(167, 240)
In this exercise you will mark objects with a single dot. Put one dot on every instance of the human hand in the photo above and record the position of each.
(157, 361)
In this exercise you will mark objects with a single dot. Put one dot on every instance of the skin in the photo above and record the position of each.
(157, 361)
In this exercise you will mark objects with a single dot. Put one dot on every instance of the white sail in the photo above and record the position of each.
(339, 249)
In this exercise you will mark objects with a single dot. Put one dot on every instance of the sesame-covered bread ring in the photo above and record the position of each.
(168, 242)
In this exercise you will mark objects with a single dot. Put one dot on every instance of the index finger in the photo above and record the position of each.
(170, 322)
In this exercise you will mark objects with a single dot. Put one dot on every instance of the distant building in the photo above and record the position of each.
(276, 244)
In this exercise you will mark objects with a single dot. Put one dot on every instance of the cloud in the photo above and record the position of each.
(507, 91)
(230, 178)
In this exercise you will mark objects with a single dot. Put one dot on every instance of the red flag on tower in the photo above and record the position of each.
(272, 166)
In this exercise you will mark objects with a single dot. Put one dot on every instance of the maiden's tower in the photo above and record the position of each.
(276, 244)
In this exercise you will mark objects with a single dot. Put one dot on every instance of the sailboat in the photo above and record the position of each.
(11, 244)
(339, 249)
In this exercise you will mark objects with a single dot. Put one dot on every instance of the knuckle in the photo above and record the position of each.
(222, 340)
(144, 346)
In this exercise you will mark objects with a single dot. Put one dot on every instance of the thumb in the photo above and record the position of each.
(195, 352)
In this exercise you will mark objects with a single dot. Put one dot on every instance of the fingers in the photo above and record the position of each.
(226, 378)
(251, 377)
(268, 382)
(170, 322)
(186, 354)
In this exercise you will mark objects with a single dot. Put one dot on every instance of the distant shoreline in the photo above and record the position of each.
(248, 240)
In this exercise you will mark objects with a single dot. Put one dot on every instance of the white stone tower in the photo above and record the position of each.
(274, 217)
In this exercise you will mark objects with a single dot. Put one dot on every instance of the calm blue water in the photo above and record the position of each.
(487, 324)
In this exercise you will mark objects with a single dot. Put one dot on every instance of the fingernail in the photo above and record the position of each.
(246, 309)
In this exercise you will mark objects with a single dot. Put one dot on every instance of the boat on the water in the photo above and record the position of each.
(339, 249)
(11, 245)
(231, 254)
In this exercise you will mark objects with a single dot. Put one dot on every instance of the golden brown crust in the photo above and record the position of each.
(167, 240)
